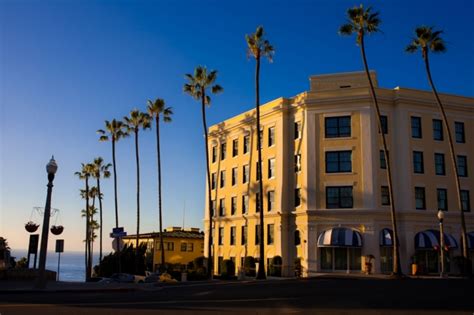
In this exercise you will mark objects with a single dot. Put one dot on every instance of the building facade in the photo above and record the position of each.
(324, 177)
(181, 245)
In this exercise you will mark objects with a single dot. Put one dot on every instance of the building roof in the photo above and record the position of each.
(172, 234)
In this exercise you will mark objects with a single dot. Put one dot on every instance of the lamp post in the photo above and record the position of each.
(441, 238)
(51, 169)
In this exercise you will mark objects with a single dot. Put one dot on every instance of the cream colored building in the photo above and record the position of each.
(324, 182)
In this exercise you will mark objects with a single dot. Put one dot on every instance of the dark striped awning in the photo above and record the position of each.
(470, 240)
(340, 237)
(386, 237)
(429, 239)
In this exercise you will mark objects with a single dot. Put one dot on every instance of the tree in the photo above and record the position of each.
(114, 131)
(361, 22)
(197, 87)
(101, 170)
(157, 109)
(427, 40)
(259, 47)
(93, 226)
(134, 123)
(84, 174)
(92, 194)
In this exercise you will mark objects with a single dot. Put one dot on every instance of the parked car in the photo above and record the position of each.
(152, 277)
(122, 278)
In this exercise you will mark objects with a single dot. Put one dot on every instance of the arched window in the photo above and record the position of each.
(297, 238)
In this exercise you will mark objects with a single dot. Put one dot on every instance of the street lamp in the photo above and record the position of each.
(441, 238)
(51, 169)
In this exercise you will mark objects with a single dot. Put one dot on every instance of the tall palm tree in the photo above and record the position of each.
(134, 123)
(84, 174)
(92, 194)
(259, 47)
(100, 170)
(427, 40)
(157, 109)
(197, 87)
(114, 131)
(93, 226)
(361, 22)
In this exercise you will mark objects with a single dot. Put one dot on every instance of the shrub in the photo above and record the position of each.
(249, 266)
(227, 269)
(109, 263)
(298, 267)
(275, 266)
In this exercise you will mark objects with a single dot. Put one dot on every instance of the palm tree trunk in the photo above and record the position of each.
(116, 205)
(137, 157)
(100, 219)
(452, 154)
(261, 266)
(396, 250)
(91, 236)
(88, 271)
(209, 191)
(158, 152)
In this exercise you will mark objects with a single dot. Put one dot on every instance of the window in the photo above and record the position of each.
(190, 247)
(384, 124)
(213, 234)
(257, 234)
(462, 165)
(438, 129)
(271, 200)
(271, 168)
(297, 197)
(257, 202)
(245, 204)
(442, 195)
(184, 247)
(235, 147)
(459, 128)
(223, 150)
(246, 144)
(257, 173)
(416, 127)
(336, 127)
(270, 233)
(338, 161)
(222, 207)
(339, 197)
(214, 154)
(297, 163)
(170, 246)
(261, 136)
(243, 237)
(234, 176)
(383, 161)
(245, 174)
(439, 164)
(233, 205)
(213, 207)
(420, 203)
(297, 130)
(418, 167)
(466, 205)
(385, 196)
(232, 235)
(221, 236)
(297, 238)
(271, 136)
(222, 179)
(213, 181)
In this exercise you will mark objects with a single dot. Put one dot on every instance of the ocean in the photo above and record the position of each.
(71, 265)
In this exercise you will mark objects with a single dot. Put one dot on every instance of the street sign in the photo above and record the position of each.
(33, 245)
(120, 242)
(59, 246)
(118, 232)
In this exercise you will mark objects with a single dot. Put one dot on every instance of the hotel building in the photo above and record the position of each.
(324, 176)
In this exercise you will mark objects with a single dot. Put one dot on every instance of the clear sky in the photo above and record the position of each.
(66, 66)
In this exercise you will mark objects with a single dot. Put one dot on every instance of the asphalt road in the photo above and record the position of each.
(312, 296)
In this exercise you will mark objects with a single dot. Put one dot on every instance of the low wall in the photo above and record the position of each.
(25, 274)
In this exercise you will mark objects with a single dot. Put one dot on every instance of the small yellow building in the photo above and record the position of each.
(181, 245)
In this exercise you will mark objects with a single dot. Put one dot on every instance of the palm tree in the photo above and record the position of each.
(84, 174)
(426, 40)
(92, 194)
(114, 131)
(93, 226)
(197, 87)
(361, 22)
(100, 170)
(133, 123)
(156, 109)
(259, 47)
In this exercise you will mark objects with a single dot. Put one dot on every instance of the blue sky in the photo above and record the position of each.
(66, 66)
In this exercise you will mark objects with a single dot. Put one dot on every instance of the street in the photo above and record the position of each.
(307, 296)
